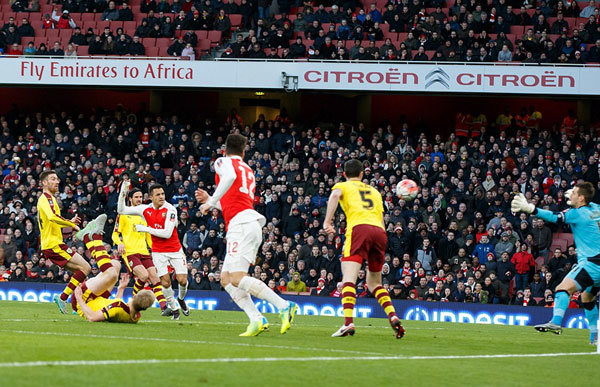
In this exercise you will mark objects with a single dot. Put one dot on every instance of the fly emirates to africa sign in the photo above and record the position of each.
(385, 76)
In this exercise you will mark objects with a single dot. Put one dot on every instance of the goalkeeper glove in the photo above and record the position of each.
(519, 204)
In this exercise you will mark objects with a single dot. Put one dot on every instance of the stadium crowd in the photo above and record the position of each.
(457, 241)
(553, 31)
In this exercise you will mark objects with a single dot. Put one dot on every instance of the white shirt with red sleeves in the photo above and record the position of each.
(234, 195)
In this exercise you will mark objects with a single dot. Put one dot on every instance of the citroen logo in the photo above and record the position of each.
(437, 75)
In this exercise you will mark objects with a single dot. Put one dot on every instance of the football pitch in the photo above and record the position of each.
(39, 346)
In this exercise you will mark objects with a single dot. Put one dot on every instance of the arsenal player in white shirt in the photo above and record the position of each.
(161, 218)
(234, 196)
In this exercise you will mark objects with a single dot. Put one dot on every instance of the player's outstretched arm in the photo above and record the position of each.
(520, 204)
(122, 285)
(332, 204)
(90, 315)
(122, 207)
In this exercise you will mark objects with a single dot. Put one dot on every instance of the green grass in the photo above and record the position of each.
(37, 332)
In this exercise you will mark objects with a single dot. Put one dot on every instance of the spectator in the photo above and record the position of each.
(56, 50)
(111, 13)
(505, 55)
(136, 47)
(64, 21)
(426, 255)
(542, 238)
(296, 285)
(29, 50)
(25, 29)
(588, 10)
(524, 262)
(77, 38)
(125, 13)
(70, 52)
(175, 50)
(188, 52)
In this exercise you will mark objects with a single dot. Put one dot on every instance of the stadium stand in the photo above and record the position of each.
(447, 30)
(467, 179)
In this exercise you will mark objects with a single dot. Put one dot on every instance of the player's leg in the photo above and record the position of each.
(91, 235)
(161, 262)
(353, 256)
(103, 283)
(141, 277)
(248, 237)
(242, 298)
(350, 268)
(155, 281)
(588, 301)
(179, 264)
(376, 258)
(575, 280)
(65, 257)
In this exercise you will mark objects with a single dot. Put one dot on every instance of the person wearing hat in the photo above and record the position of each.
(64, 21)
(319, 290)
(296, 284)
(504, 245)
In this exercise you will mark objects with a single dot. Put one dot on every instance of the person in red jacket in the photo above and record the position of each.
(523, 261)
(64, 21)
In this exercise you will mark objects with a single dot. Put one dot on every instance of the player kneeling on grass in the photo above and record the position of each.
(584, 219)
(94, 304)
(366, 240)
(234, 196)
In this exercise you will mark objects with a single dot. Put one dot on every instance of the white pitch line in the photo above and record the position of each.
(281, 359)
(251, 345)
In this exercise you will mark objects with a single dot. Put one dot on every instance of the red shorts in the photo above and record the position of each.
(366, 242)
(133, 260)
(59, 255)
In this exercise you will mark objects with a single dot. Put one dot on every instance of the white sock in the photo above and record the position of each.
(243, 300)
(170, 298)
(258, 289)
(182, 291)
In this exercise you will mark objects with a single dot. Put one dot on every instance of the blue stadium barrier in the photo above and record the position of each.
(328, 306)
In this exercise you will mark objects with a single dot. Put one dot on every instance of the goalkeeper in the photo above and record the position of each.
(584, 219)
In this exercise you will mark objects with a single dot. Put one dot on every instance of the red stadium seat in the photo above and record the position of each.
(88, 24)
(87, 17)
(201, 34)
(38, 41)
(163, 42)
(151, 51)
(101, 25)
(148, 42)
(214, 37)
(129, 26)
(52, 34)
(115, 24)
(236, 21)
(204, 46)
(37, 26)
(516, 30)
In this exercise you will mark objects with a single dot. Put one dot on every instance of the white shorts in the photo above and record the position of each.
(175, 260)
(243, 241)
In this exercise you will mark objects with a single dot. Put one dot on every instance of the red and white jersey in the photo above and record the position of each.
(235, 191)
(164, 218)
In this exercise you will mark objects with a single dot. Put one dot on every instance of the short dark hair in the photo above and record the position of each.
(44, 175)
(155, 186)
(353, 168)
(235, 144)
(586, 189)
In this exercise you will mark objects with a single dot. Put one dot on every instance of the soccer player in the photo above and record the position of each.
(92, 300)
(133, 248)
(161, 217)
(584, 219)
(366, 240)
(54, 248)
(234, 196)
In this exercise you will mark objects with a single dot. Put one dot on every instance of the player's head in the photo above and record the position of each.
(142, 301)
(135, 197)
(583, 194)
(353, 169)
(157, 195)
(49, 180)
(235, 145)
